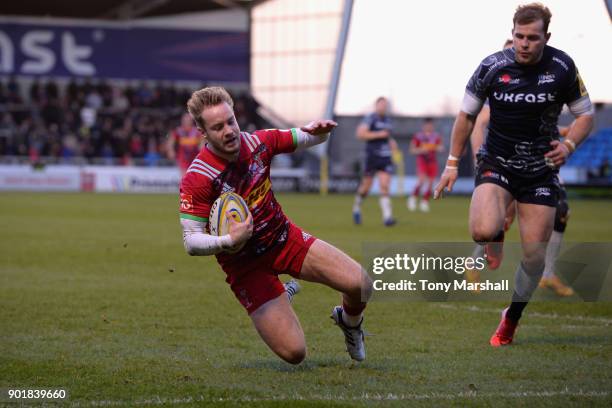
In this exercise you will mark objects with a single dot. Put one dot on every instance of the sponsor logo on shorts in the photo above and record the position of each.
(546, 79)
(186, 202)
(542, 192)
(305, 236)
(494, 175)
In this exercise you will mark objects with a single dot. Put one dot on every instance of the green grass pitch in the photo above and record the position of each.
(97, 296)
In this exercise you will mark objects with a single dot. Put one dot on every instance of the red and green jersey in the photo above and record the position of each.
(429, 141)
(210, 175)
(188, 145)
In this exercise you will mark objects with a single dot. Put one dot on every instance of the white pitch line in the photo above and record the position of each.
(591, 319)
(157, 400)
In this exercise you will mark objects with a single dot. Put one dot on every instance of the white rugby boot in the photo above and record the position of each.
(353, 336)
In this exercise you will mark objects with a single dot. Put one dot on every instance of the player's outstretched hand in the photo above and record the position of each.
(240, 231)
(558, 155)
(319, 127)
(447, 180)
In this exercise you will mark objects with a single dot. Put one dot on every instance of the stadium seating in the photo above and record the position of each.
(594, 151)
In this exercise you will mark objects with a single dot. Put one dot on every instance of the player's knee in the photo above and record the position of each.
(483, 231)
(360, 286)
(367, 287)
(481, 235)
(534, 256)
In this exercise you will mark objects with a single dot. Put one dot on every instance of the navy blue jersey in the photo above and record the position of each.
(378, 147)
(525, 102)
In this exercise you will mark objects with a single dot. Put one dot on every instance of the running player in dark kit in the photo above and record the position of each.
(526, 86)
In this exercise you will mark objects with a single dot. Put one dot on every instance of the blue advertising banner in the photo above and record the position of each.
(130, 53)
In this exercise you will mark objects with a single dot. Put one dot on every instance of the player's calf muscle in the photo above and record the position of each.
(328, 265)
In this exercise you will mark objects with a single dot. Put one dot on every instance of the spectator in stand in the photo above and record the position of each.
(72, 91)
(120, 102)
(94, 119)
(51, 90)
(144, 95)
(14, 93)
(36, 96)
(93, 99)
(152, 156)
(52, 112)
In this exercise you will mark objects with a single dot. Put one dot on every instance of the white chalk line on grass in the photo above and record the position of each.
(157, 400)
(591, 319)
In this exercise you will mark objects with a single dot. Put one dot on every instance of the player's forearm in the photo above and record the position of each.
(480, 127)
(198, 243)
(464, 124)
(580, 128)
(305, 140)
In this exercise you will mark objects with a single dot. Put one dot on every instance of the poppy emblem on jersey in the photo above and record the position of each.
(186, 202)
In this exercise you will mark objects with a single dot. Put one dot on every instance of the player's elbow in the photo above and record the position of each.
(467, 117)
(191, 251)
(362, 133)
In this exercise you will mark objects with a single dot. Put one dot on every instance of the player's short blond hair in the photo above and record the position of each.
(528, 13)
(204, 98)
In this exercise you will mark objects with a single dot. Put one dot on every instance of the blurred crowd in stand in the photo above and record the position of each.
(96, 122)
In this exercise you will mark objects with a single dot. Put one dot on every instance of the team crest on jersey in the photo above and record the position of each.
(257, 165)
(186, 202)
(546, 78)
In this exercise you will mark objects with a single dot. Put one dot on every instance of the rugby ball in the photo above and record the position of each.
(227, 203)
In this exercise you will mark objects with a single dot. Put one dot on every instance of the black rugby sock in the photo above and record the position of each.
(515, 311)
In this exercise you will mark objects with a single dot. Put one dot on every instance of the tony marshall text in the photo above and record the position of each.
(425, 285)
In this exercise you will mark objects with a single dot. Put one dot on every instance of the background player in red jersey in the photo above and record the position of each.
(184, 143)
(425, 145)
(237, 161)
